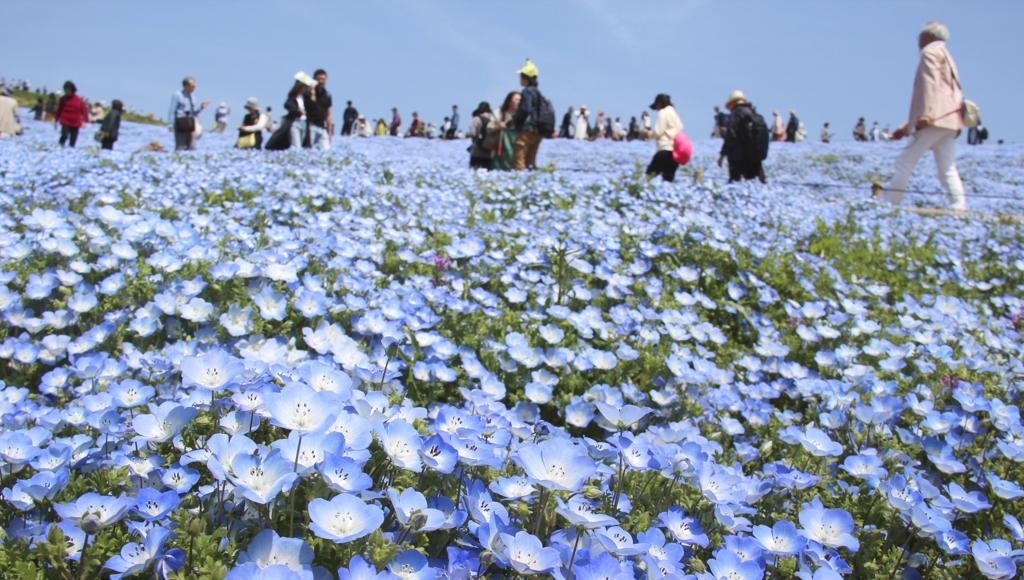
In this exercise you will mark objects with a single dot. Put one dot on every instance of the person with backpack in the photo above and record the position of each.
(534, 120)
(481, 150)
(665, 129)
(935, 118)
(746, 139)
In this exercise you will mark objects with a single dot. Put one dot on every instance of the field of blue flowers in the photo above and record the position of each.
(376, 363)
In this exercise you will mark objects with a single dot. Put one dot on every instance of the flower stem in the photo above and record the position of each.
(295, 468)
(575, 546)
(83, 561)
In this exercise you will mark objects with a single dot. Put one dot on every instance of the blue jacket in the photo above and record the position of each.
(525, 118)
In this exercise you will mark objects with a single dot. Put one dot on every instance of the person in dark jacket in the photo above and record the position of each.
(38, 110)
(743, 163)
(72, 114)
(253, 123)
(792, 126)
(348, 119)
(524, 155)
(111, 125)
(564, 132)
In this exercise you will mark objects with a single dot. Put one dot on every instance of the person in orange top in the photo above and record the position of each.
(72, 114)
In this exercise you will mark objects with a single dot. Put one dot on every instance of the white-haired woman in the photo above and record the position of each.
(935, 118)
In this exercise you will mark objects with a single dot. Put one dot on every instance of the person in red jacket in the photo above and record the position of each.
(72, 114)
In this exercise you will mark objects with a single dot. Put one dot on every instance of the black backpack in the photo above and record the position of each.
(545, 116)
(751, 133)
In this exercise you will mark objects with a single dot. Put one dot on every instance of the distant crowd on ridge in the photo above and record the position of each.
(510, 137)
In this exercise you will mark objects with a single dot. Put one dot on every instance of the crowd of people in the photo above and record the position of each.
(510, 137)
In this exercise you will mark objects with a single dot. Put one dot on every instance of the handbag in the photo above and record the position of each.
(970, 113)
(100, 135)
(246, 141)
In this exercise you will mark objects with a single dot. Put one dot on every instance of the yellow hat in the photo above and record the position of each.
(529, 69)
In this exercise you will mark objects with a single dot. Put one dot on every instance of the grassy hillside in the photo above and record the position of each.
(28, 99)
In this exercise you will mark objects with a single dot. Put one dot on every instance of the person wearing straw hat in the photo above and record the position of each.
(745, 142)
(524, 156)
(935, 118)
(250, 134)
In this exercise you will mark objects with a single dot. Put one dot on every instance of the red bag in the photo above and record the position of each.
(682, 148)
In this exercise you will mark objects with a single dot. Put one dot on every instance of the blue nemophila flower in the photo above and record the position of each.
(867, 466)
(602, 566)
(360, 569)
(17, 449)
(261, 478)
(403, 444)
(344, 474)
(526, 555)
(211, 371)
(343, 518)
(831, 527)
(300, 408)
(180, 479)
(135, 557)
(267, 549)
(557, 464)
(580, 511)
(819, 444)
(620, 417)
(1014, 526)
(410, 508)
(782, 539)
(995, 559)
(438, 455)
(953, 542)
(237, 320)
(130, 393)
(620, 542)
(965, 501)
(163, 422)
(325, 377)
(307, 451)
(92, 511)
(930, 520)
(685, 529)
(727, 565)
(45, 485)
(154, 505)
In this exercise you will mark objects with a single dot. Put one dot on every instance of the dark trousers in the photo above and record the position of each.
(662, 164)
(741, 170)
(346, 128)
(107, 144)
(184, 140)
(481, 163)
(68, 135)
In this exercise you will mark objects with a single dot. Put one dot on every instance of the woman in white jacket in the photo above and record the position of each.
(665, 129)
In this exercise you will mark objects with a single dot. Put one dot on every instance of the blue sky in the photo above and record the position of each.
(830, 60)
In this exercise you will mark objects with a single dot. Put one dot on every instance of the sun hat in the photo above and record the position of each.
(529, 69)
(304, 78)
(252, 103)
(735, 97)
(661, 100)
